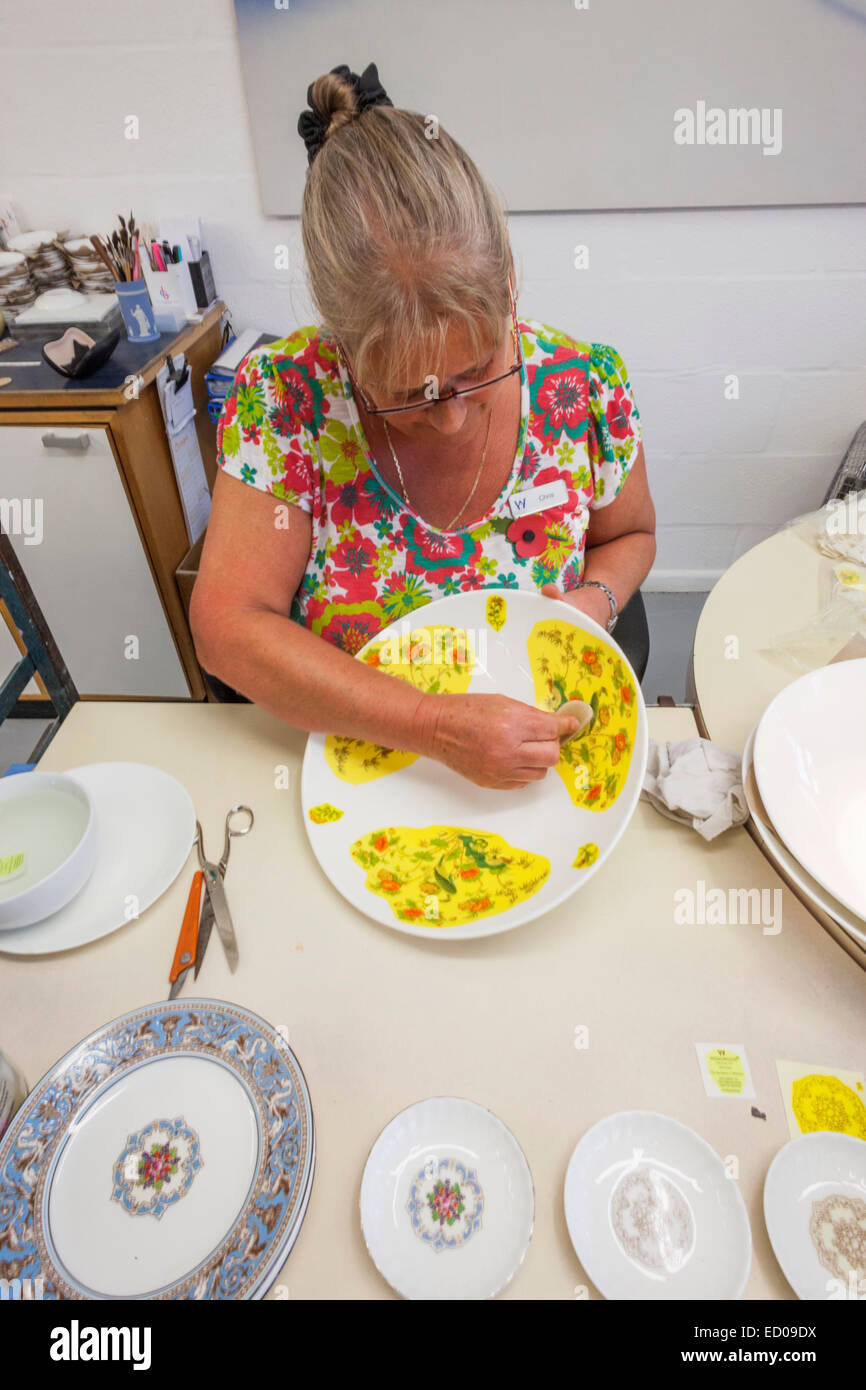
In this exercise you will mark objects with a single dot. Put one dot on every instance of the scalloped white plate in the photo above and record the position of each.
(815, 1209)
(652, 1213)
(447, 1202)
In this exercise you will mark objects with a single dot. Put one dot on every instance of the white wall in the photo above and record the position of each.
(777, 296)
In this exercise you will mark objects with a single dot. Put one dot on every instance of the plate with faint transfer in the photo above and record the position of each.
(423, 850)
(169, 1155)
(815, 1209)
(447, 1202)
(652, 1213)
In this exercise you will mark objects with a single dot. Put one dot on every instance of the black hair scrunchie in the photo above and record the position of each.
(312, 126)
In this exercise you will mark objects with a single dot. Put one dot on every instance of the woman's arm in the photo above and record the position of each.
(251, 567)
(620, 547)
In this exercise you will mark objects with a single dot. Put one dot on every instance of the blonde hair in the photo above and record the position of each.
(403, 237)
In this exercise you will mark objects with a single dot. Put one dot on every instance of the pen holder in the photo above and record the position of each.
(137, 310)
(166, 293)
(201, 275)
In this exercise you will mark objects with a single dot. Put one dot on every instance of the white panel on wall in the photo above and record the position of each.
(592, 104)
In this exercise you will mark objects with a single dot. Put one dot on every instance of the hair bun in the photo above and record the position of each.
(333, 104)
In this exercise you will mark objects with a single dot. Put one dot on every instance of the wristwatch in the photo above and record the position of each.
(597, 584)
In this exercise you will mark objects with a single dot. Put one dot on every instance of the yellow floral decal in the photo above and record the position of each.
(433, 659)
(825, 1102)
(324, 813)
(569, 664)
(586, 855)
(496, 612)
(446, 875)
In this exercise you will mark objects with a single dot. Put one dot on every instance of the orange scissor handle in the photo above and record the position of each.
(184, 952)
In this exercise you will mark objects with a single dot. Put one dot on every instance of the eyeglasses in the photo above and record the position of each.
(448, 395)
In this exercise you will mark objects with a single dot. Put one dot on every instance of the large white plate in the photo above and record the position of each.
(145, 821)
(785, 859)
(652, 1213)
(815, 1209)
(457, 1157)
(168, 1155)
(810, 764)
(541, 818)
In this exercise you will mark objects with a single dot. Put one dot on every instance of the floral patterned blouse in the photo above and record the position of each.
(289, 427)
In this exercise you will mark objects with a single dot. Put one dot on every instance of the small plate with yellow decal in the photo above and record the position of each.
(815, 1209)
(447, 1202)
(419, 848)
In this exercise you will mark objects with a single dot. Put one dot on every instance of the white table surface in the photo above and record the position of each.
(379, 1020)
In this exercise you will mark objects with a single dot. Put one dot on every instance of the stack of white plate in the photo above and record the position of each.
(87, 270)
(48, 265)
(17, 290)
(169, 1155)
(804, 771)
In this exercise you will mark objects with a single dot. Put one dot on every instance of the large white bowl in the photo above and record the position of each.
(541, 819)
(810, 764)
(50, 817)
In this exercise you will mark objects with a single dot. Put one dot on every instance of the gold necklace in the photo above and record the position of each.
(474, 485)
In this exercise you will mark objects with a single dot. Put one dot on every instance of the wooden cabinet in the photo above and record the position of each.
(91, 506)
(85, 562)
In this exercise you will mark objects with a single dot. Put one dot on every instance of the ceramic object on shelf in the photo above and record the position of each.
(652, 1213)
(423, 850)
(169, 1155)
(447, 1202)
(77, 355)
(810, 766)
(49, 840)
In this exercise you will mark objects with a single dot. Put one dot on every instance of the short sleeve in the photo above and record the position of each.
(615, 432)
(257, 443)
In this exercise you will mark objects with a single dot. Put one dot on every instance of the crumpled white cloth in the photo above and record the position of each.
(697, 783)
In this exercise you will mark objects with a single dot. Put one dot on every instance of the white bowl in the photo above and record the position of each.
(62, 298)
(48, 817)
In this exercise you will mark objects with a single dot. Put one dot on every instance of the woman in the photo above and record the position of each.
(370, 466)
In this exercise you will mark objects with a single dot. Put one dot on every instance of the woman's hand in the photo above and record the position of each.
(490, 739)
(593, 602)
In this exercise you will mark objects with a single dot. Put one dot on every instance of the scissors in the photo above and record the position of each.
(195, 932)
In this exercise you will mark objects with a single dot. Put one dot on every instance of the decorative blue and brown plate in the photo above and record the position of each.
(169, 1155)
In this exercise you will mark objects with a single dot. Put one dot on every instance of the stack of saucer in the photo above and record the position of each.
(87, 271)
(17, 290)
(804, 768)
(48, 265)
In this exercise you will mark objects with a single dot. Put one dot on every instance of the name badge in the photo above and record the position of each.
(538, 499)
